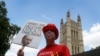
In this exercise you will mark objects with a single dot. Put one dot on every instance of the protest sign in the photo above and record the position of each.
(30, 34)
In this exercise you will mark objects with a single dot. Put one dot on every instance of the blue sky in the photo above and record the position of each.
(51, 11)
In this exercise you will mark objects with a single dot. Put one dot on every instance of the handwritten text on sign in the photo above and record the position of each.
(33, 29)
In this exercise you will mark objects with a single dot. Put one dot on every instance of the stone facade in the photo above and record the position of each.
(71, 34)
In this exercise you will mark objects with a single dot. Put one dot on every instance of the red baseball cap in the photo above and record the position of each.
(51, 26)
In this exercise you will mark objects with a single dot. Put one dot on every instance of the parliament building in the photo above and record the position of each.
(71, 34)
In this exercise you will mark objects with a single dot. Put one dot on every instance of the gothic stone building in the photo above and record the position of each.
(71, 34)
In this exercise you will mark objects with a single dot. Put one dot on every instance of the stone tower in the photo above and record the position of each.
(71, 34)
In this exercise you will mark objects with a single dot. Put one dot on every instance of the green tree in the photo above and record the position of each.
(7, 30)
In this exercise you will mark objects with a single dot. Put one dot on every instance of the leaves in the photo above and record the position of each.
(7, 30)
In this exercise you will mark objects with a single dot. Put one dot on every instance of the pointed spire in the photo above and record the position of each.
(78, 18)
(68, 13)
(79, 21)
(61, 20)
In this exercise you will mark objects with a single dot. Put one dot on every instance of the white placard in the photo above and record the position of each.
(33, 29)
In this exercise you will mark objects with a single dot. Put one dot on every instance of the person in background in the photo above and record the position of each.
(52, 49)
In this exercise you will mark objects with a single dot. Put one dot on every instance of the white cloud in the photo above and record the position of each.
(92, 37)
(47, 18)
(95, 28)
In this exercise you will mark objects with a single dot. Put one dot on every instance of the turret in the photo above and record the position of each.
(78, 18)
(61, 21)
(79, 21)
(68, 14)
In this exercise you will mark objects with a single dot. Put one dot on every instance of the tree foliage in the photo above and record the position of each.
(7, 30)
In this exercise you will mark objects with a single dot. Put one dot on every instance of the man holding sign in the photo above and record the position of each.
(51, 34)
